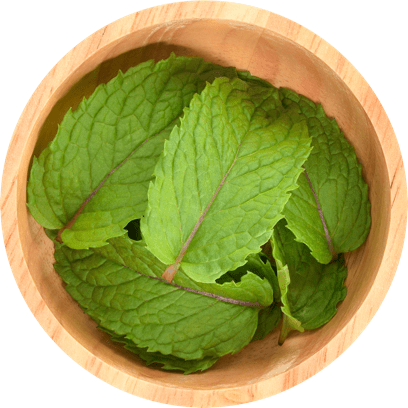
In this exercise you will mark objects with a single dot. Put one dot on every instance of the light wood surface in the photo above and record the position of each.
(280, 51)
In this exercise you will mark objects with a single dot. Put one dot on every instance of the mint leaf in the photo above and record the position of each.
(310, 290)
(254, 80)
(222, 180)
(93, 177)
(118, 286)
(289, 322)
(333, 182)
(251, 289)
(167, 362)
(268, 320)
(260, 266)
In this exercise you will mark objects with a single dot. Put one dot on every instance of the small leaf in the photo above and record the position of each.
(289, 321)
(222, 180)
(333, 182)
(310, 290)
(260, 267)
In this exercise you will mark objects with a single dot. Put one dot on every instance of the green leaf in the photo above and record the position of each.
(93, 177)
(251, 288)
(222, 180)
(167, 362)
(310, 290)
(118, 286)
(333, 181)
(289, 321)
(268, 320)
(253, 80)
(260, 266)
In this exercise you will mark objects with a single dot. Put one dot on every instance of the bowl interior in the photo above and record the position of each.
(283, 63)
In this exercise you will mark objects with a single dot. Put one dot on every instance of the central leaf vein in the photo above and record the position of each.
(319, 209)
(203, 293)
(171, 270)
(199, 292)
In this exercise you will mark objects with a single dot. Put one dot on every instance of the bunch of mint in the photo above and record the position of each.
(193, 207)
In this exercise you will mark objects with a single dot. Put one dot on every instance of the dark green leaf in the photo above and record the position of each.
(333, 182)
(310, 290)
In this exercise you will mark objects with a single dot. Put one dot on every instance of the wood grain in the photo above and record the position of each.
(280, 51)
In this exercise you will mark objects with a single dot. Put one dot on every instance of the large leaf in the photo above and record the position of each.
(310, 290)
(330, 211)
(119, 286)
(223, 180)
(268, 320)
(93, 177)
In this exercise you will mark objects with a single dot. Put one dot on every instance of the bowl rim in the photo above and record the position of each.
(226, 12)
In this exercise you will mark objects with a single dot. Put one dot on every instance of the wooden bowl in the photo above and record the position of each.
(285, 54)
